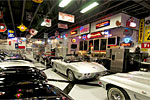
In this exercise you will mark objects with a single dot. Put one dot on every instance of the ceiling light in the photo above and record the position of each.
(64, 3)
(94, 4)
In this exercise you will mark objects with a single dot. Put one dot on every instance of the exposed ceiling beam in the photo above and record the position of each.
(12, 18)
(33, 17)
(23, 9)
(143, 3)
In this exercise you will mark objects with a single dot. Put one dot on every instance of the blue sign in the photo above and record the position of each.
(11, 34)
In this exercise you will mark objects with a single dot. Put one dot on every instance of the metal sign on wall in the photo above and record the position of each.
(141, 31)
(84, 29)
(145, 45)
(147, 34)
(66, 17)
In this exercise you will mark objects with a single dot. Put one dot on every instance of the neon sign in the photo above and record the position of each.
(125, 44)
(73, 32)
(95, 35)
(103, 24)
(22, 28)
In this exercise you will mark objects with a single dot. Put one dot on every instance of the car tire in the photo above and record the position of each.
(116, 93)
(71, 76)
(54, 67)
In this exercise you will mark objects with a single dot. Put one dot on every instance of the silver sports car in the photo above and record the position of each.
(78, 69)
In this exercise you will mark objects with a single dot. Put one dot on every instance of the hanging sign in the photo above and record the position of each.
(37, 1)
(1, 14)
(63, 26)
(73, 40)
(22, 28)
(84, 29)
(103, 24)
(66, 17)
(141, 31)
(11, 34)
(45, 35)
(47, 22)
(131, 23)
(145, 45)
(2, 27)
(73, 32)
(33, 31)
(147, 34)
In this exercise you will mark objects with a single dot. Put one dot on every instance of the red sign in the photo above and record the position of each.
(64, 26)
(131, 23)
(73, 32)
(145, 45)
(66, 17)
(21, 47)
(33, 31)
(1, 14)
(103, 24)
(125, 44)
(95, 35)
(2, 27)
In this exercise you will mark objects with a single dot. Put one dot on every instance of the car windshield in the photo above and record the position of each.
(72, 58)
(30, 89)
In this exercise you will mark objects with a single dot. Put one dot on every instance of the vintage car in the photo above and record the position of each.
(127, 86)
(21, 70)
(75, 68)
(27, 83)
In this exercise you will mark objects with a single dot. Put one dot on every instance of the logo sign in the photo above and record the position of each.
(2, 27)
(95, 35)
(73, 40)
(22, 28)
(84, 29)
(1, 14)
(37, 1)
(125, 44)
(66, 17)
(145, 45)
(11, 34)
(33, 31)
(131, 23)
(103, 24)
(63, 26)
(147, 34)
(47, 22)
(73, 32)
(141, 31)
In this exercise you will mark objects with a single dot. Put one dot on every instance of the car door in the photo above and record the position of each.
(62, 66)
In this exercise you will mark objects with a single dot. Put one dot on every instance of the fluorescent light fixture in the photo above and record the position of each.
(94, 4)
(64, 3)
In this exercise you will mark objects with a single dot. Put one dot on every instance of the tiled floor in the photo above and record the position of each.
(80, 91)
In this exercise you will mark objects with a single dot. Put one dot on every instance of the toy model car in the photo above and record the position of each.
(75, 68)
(127, 86)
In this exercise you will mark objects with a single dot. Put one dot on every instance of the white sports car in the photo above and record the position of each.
(77, 69)
(127, 86)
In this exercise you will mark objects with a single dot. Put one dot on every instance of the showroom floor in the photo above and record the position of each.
(78, 91)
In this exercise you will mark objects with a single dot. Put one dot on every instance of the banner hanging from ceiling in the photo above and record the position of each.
(66, 17)
(1, 14)
(2, 27)
(147, 34)
(141, 31)
(11, 34)
(33, 31)
(63, 26)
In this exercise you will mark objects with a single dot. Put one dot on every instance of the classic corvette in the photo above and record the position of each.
(75, 68)
(127, 86)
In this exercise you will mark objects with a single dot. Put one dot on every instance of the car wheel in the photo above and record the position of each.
(115, 93)
(54, 67)
(71, 76)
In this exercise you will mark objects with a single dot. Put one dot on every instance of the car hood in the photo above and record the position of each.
(88, 67)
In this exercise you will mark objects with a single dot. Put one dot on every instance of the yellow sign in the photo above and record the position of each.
(11, 31)
(144, 49)
(37, 1)
(147, 34)
(22, 28)
(141, 31)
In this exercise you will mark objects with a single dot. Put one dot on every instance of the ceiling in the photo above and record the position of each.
(31, 14)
